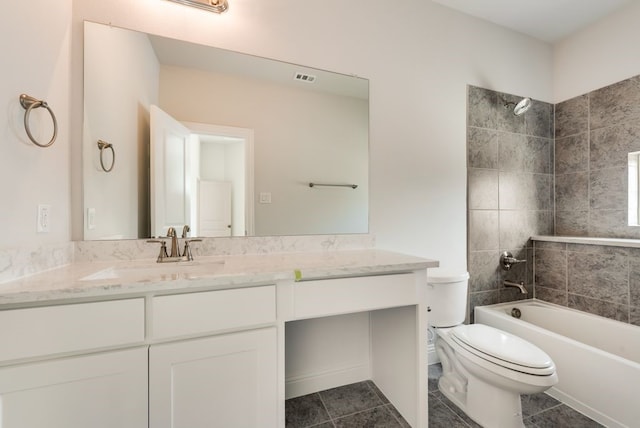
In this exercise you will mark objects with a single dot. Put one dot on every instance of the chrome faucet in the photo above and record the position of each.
(174, 255)
(519, 285)
(175, 251)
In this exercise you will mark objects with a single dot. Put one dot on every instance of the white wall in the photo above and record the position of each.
(419, 57)
(212, 161)
(35, 43)
(603, 53)
(123, 81)
(301, 136)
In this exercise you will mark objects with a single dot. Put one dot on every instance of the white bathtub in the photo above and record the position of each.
(597, 359)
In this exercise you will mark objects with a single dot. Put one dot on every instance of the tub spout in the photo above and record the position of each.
(518, 285)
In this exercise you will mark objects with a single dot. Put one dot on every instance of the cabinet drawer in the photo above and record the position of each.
(345, 295)
(34, 332)
(197, 313)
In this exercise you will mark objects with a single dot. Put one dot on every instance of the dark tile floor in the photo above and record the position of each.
(538, 410)
(362, 405)
(350, 406)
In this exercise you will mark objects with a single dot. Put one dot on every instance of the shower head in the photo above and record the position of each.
(519, 108)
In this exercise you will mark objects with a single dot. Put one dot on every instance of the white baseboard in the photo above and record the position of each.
(310, 383)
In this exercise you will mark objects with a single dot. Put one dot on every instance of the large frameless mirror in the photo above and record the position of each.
(225, 142)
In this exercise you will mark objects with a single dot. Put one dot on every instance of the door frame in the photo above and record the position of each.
(247, 135)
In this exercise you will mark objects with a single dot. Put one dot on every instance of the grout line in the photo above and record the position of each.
(321, 423)
(444, 403)
(589, 231)
(393, 414)
(377, 393)
(360, 411)
(544, 410)
(325, 408)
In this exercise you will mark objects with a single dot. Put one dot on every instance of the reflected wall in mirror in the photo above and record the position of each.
(259, 131)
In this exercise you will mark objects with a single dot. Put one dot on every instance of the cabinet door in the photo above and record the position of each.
(221, 381)
(98, 391)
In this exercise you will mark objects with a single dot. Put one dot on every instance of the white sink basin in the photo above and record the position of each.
(186, 270)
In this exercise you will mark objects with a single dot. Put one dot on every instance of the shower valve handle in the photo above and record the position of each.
(507, 260)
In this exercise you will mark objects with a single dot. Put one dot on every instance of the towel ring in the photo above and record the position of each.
(29, 103)
(102, 145)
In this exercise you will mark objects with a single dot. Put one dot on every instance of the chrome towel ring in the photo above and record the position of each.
(102, 145)
(29, 103)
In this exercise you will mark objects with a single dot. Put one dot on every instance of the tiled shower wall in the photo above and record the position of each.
(594, 134)
(509, 200)
(597, 279)
(510, 191)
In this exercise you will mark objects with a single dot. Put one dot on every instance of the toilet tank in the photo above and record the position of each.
(447, 296)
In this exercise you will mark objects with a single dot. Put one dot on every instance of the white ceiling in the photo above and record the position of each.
(207, 58)
(547, 20)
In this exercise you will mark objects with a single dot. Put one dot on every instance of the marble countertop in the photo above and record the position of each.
(95, 280)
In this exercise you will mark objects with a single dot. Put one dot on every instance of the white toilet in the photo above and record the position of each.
(484, 369)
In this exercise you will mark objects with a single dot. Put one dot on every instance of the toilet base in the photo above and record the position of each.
(488, 405)
(491, 406)
(491, 401)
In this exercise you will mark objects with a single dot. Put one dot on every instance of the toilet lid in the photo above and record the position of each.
(502, 346)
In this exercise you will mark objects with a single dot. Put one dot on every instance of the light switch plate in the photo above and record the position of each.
(44, 218)
(265, 197)
(91, 218)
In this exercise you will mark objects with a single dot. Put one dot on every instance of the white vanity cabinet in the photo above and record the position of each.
(56, 373)
(225, 350)
(227, 378)
(354, 328)
(104, 390)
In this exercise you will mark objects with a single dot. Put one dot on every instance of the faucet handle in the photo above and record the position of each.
(163, 248)
(185, 230)
(507, 260)
(187, 248)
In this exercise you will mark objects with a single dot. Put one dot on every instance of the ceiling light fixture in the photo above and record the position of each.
(217, 6)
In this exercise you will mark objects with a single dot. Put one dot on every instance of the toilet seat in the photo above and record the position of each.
(503, 349)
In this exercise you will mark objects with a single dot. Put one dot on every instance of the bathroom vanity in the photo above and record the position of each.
(136, 344)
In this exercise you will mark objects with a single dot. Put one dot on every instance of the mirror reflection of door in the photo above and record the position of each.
(170, 171)
(187, 160)
(214, 208)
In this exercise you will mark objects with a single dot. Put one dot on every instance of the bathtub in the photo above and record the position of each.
(597, 359)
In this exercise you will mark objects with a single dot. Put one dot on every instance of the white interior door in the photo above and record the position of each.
(170, 163)
(214, 205)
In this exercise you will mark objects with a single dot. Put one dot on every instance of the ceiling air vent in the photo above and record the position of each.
(304, 77)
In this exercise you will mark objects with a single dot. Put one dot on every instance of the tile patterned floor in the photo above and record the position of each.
(350, 406)
(362, 405)
(538, 410)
